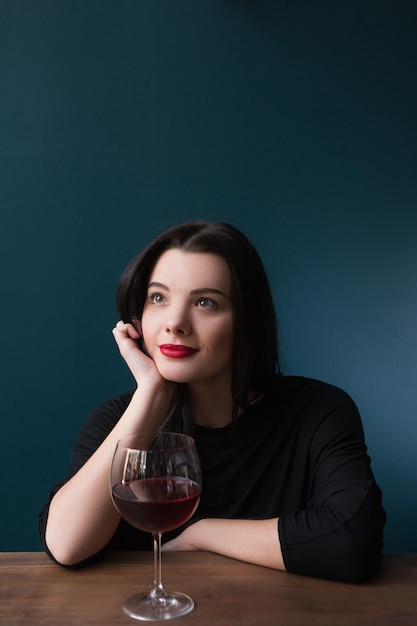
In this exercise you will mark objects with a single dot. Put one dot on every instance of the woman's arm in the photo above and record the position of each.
(82, 518)
(338, 535)
(337, 532)
(253, 541)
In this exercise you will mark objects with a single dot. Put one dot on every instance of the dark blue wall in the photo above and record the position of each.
(294, 120)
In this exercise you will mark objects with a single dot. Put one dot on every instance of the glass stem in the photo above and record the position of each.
(158, 592)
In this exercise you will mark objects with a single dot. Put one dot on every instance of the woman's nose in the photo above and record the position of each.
(178, 324)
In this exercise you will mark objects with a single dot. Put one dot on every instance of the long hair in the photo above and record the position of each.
(255, 358)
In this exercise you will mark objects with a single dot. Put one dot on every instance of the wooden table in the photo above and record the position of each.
(35, 591)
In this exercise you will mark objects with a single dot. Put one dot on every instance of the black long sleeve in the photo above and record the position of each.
(339, 533)
(298, 454)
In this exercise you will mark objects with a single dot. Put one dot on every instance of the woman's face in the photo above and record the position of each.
(187, 320)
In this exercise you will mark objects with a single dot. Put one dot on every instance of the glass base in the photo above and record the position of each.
(153, 609)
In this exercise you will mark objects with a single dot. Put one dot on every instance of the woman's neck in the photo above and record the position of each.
(210, 405)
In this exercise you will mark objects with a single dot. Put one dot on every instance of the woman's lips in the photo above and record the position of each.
(175, 351)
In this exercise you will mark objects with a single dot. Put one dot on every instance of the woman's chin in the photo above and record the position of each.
(174, 374)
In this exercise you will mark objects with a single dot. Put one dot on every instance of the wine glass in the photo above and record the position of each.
(155, 484)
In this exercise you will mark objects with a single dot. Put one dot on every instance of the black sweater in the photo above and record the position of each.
(298, 454)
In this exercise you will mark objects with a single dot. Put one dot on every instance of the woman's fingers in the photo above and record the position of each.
(141, 365)
(124, 330)
(126, 336)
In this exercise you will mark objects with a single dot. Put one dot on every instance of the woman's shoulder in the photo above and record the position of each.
(299, 394)
(114, 403)
(105, 415)
(303, 385)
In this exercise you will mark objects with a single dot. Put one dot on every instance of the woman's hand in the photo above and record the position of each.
(141, 365)
(185, 542)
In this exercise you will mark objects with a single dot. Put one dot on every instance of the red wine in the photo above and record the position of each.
(157, 504)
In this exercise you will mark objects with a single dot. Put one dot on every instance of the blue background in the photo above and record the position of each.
(296, 121)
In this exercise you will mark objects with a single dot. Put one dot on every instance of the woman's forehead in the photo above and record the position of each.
(197, 269)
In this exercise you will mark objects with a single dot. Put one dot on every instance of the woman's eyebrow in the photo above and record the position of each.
(193, 292)
(156, 284)
(208, 290)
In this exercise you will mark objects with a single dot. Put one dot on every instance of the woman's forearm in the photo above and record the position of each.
(82, 518)
(253, 541)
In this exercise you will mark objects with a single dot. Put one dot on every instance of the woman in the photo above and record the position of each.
(287, 480)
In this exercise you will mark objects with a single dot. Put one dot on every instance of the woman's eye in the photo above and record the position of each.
(206, 303)
(156, 298)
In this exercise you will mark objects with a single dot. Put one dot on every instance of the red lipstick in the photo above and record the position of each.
(175, 351)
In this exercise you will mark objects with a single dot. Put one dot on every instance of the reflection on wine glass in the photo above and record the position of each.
(155, 484)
